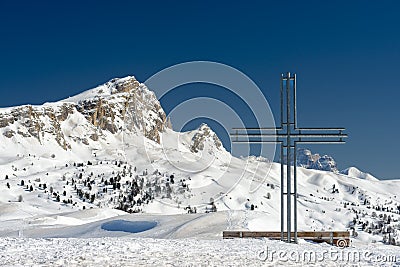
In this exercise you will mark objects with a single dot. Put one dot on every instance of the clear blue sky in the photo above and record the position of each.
(346, 55)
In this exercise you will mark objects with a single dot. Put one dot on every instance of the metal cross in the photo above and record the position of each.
(288, 136)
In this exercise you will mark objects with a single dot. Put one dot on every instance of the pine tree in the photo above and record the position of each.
(213, 208)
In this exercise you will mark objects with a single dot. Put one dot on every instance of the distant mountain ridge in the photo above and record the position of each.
(121, 104)
(308, 160)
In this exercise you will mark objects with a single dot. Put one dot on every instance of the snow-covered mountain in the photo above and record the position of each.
(85, 120)
(109, 151)
(354, 172)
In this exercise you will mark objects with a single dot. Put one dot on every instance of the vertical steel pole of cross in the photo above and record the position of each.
(282, 169)
(288, 167)
(294, 163)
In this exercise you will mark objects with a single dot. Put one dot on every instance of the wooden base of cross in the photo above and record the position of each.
(335, 238)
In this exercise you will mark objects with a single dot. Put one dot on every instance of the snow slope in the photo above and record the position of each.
(354, 172)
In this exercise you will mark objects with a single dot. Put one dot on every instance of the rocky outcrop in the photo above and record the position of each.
(204, 134)
(36, 121)
(100, 113)
(124, 85)
(117, 105)
(314, 161)
(130, 106)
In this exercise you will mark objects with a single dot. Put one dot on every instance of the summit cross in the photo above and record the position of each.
(288, 136)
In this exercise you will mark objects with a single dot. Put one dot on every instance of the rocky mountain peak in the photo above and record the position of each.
(203, 136)
(120, 104)
(123, 85)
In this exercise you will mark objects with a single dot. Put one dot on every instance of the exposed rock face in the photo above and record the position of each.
(125, 85)
(36, 121)
(119, 104)
(314, 161)
(100, 113)
(204, 134)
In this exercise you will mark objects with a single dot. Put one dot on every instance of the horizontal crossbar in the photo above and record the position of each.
(295, 129)
(279, 142)
(291, 135)
(321, 142)
(261, 128)
(320, 129)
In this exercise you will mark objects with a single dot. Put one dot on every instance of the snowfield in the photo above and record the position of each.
(186, 252)
(171, 240)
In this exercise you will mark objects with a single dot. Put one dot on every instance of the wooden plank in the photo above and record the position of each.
(332, 237)
(278, 234)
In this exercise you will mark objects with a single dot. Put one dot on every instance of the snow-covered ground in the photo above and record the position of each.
(89, 238)
(169, 240)
(186, 252)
